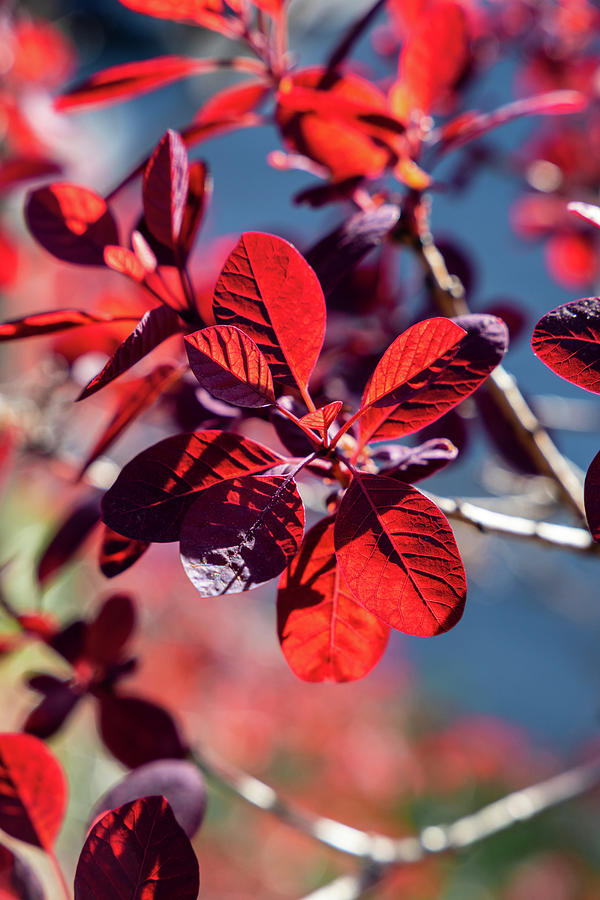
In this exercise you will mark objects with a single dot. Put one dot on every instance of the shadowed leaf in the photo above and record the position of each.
(567, 340)
(56, 705)
(33, 790)
(229, 365)
(68, 538)
(137, 731)
(399, 556)
(137, 852)
(155, 490)
(178, 781)
(107, 634)
(325, 634)
(269, 291)
(165, 189)
(118, 553)
(72, 223)
(154, 327)
(410, 464)
(241, 533)
(592, 497)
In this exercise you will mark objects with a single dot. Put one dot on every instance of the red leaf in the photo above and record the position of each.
(140, 393)
(39, 324)
(154, 327)
(178, 781)
(118, 553)
(270, 292)
(199, 191)
(399, 557)
(410, 464)
(567, 340)
(128, 80)
(325, 634)
(431, 60)
(155, 490)
(472, 125)
(107, 635)
(196, 12)
(137, 731)
(68, 538)
(33, 790)
(18, 169)
(271, 7)
(229, 365)
(478, 353)
(137, 852)
(233, 103)
(18, 881)
(591, 496)
(165, 189)
(323, 418)
(572, 260)
(343, 147)
(121, 260)
(71, 222)
(241, 533)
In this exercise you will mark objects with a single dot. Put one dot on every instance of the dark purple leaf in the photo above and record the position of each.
(18, 881)
(154, 327)
(108, 633)
(118, 553)
(241, 533)
(60, 698)
(136, 731)
(69, 537)
(179, 781)
(592, 497)
(410, 464)
(71, 222)
(137, 852)
(155, 490)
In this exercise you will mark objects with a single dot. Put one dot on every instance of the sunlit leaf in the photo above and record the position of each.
(128, 80)
(154, 491)
(268, 290)
(42, 323)
(325, 634)
(241, 533)
(567, 340)
(321, 419)
(137, 852)
(476, 355)
(230, 366)
(399, 557)
(122, 260)
(33, 790)
(71, 222)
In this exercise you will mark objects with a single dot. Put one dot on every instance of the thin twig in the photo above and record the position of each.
(449, 296)
(486, 520)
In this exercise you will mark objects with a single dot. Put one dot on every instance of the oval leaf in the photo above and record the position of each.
(477, 354)
(567, 340)
(155, 490)
(271, 293)
(399, 557)
(71, 222)
(325, 634)
(229, 365)
(137, 731)
(165, 189)
(121, 260)
(33, 790)
(196, 12)
(39, 324)
(68, 538)
(137, 852)
(178, 781)
(241, 534)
